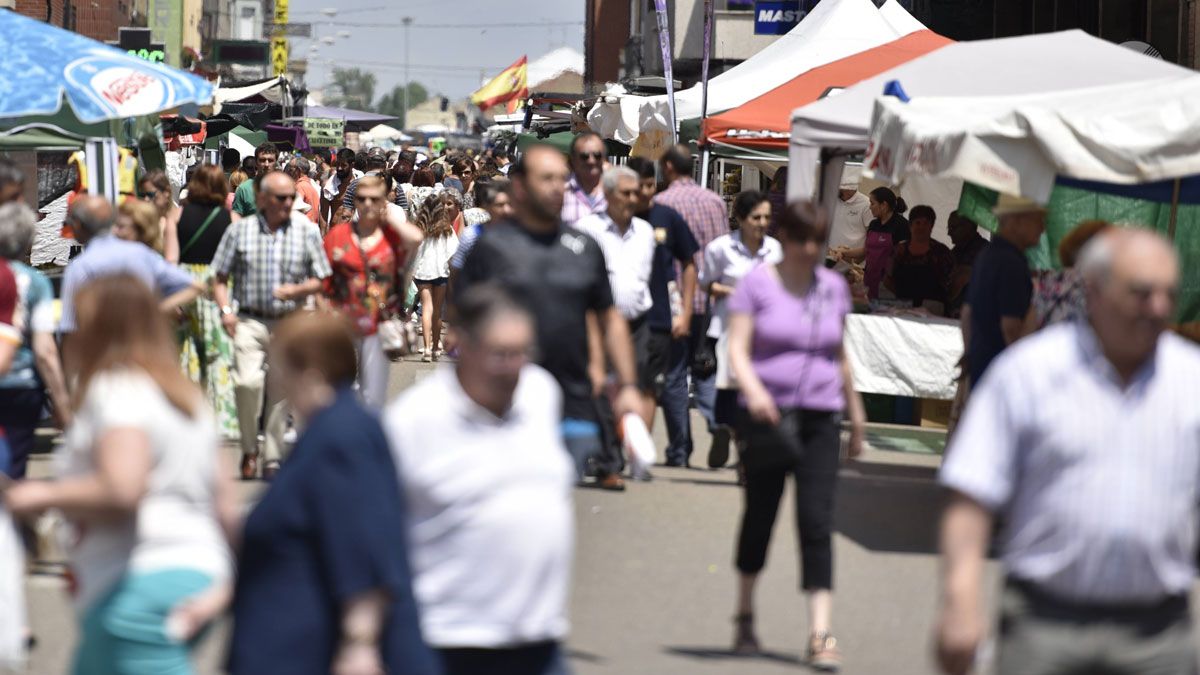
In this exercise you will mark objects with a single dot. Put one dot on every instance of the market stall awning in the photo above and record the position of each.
(833, 30)
(270, 89)
(764, 122)
(993, 80)
(356, 120)
(42, 64)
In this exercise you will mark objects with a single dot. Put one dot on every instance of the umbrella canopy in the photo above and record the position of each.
(356, 120)
(763, 123)
(43, 63)
(997, 78)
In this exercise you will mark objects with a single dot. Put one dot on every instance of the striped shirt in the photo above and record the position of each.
(706, 216)
(1097, 485)
(578, 204)
(259, 261)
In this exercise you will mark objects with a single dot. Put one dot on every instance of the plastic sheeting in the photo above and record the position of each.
(904, 356)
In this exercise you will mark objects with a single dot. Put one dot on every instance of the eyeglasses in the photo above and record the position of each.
(585, 156)
(291, 197)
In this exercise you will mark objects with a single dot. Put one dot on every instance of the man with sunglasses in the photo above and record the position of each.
(585, 195)
(277, 260)
(244, 202)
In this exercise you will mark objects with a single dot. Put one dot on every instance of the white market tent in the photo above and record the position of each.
(834, 30)
(1011, 114)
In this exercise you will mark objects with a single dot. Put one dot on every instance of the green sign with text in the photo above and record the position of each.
(323, 132)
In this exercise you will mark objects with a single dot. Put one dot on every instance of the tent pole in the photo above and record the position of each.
(704, 159)
(1174, 208)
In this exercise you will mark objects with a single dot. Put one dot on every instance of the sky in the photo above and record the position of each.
(455, 43)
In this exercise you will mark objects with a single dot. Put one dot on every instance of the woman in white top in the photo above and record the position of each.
(142, 484)
(431, 271)
(727, 259)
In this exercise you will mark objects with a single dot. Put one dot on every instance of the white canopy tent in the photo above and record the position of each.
(834, 30)
(899, 19)
(1102, 104)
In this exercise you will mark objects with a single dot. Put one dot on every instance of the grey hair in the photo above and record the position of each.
(18, 225)
(302, 165)
(482, 303)
(93, 221)
(615, 175)
(1095, 261)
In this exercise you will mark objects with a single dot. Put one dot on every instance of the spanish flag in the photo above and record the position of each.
(509, 85)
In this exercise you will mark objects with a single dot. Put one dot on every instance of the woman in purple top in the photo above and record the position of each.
(785, 347)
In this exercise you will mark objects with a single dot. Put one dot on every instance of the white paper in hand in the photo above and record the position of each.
(639, 446)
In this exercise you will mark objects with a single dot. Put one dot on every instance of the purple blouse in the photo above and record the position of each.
(797, 340)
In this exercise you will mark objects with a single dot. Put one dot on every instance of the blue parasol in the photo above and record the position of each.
(42, 63)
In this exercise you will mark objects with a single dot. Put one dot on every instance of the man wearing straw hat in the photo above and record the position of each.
(1001, 286)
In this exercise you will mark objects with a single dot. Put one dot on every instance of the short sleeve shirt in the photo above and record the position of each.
(675, 243)
(259, 261)
(243, 199)
(1001, 286)
(107, 256)
(559, 277)
(363, 295)
(34, 313)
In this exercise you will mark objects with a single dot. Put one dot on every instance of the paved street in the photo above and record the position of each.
(654, 580)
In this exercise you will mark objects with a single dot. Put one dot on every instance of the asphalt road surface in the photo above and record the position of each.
(654, 580)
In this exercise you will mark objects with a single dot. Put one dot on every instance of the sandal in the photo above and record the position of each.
(823, 653)
(745, 643)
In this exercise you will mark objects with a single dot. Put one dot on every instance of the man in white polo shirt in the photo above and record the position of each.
(488, 484)
(628, 243)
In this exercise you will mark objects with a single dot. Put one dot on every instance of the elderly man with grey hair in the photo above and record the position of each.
(306, 189)
(628, 243)
(36, 368)
(1083, 440)
(91, 219)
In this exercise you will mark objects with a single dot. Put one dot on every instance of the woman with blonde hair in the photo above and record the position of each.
(155, 189)
(141, 479)
(431, 271)
(139, 221)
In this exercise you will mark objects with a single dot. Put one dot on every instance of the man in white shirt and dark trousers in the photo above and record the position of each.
(628, 244)
(1084, 441)
(488, 485)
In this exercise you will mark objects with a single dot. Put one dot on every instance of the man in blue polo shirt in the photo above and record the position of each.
(1001, 286)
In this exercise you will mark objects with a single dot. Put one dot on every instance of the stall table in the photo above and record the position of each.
(898, 355)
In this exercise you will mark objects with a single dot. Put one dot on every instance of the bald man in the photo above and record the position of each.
(1084, 441)
(276, 260)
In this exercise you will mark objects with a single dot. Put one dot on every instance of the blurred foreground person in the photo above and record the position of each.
(323, 581)
(785, 327)
(141, 479)
(1082, 440)
(488, 485)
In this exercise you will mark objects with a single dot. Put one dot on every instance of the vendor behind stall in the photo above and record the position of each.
(921, 267)
(851, 217)
(883, 234)
(968, 243)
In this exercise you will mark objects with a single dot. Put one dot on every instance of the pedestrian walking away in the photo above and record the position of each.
(488, 484)
(323, 553)
(431, 270)
(276, 261)
(1081, 442)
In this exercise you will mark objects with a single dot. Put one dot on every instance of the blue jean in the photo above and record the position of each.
(674, 398)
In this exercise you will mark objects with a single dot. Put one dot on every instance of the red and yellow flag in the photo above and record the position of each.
(510, 85)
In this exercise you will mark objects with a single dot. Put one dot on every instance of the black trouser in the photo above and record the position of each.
(806, 445)
(20, 412)
(544, 658)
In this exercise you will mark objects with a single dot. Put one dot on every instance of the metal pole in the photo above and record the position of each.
(1174, 208)
(704, 159)
(407, 21)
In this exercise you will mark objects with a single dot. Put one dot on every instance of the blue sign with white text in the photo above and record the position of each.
(777, 17)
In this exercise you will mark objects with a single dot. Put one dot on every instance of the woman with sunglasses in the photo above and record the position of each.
(368, 260)
(155, 188)
(785, 346)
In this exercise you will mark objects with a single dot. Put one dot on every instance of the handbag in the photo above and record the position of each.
(397, 337)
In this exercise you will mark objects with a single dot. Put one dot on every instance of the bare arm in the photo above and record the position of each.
(8, 350)
(171, 236)
(1012, 328)
(855, 410)
(110, 494)
(759, 402)
(620, 355)
(595, 341)
(681, 326)
(411, 236)
(180, 298)
(966, 526)
(362, 624)
(45, 352)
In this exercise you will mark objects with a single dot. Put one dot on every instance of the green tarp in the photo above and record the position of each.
(39, 139)
(562, 141)
(1069, 206)
(254, 138)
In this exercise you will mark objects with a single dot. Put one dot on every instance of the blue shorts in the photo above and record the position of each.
(440, 281)
(125, 631)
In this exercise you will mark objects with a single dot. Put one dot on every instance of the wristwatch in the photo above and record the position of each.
(226, 310)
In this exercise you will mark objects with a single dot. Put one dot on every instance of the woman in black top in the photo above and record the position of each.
(206, 350)
(883, 234)
(922, 266)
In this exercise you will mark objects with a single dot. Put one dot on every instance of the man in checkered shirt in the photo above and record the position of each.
(276, 261)
(707, 218)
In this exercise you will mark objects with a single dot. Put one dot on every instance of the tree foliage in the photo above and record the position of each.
(392, 103)
(351, 88)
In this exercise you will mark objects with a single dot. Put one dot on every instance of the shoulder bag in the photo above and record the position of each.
(212, 215)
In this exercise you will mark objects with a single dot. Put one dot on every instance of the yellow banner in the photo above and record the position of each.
(279, 42)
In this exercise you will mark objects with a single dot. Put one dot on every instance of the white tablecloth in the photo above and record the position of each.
(904, 356)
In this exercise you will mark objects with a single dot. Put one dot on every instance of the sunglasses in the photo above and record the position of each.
(585, 156)
(150, 194)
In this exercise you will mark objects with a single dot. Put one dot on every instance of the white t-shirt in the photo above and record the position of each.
(433, 257)
(176, 525)
(850, 221)
(490, 518)
(629, 258)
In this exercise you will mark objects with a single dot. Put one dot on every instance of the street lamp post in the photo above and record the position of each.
(406, 21)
